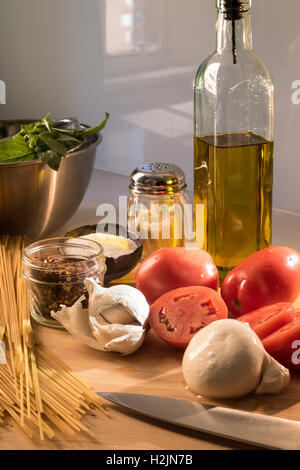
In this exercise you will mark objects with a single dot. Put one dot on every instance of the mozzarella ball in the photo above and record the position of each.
(224, 360)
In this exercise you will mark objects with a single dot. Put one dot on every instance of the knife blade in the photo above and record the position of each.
(243, 426)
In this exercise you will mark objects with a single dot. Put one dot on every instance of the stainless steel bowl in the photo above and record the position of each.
(36, 200)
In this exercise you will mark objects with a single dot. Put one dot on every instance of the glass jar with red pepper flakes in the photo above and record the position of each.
(55, 270)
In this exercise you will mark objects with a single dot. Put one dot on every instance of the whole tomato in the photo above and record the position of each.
(266, 277)
(170, 268)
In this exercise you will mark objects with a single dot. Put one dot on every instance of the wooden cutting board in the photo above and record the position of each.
(154, 369)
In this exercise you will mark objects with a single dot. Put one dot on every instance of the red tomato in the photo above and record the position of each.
(169, 268)
(267, 320)
(177, 315)
(266, 277)
(284, 344)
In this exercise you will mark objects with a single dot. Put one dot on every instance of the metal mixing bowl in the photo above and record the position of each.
(36, 200)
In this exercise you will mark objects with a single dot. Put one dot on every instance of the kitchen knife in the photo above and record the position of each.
(243, 426)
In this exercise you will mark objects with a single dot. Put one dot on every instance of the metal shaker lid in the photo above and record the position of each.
(157, 178)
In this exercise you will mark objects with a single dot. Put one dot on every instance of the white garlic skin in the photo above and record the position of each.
(75, 320)
(117, 304)
(114, 321)
(117, 314)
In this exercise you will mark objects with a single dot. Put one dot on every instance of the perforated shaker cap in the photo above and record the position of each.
(157, 178)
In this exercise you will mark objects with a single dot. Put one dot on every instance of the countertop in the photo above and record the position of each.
(154, 369)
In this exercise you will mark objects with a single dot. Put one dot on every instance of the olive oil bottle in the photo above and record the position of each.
(233, 143)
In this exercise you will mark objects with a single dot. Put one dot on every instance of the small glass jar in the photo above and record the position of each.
(158, 206)
(55, 270)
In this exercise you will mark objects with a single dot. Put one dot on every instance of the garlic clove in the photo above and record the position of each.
(75, 320)
(274, 376)
(127, 344)
(128, 300)
(118, 314)
(125, 339)
(75, 317)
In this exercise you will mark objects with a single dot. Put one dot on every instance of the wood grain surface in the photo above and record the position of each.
(154, 369)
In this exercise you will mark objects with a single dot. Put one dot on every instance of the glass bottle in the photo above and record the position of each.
(233, 143)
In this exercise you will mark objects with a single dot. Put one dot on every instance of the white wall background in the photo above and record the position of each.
(84, 57)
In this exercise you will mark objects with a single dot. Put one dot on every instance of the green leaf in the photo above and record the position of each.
(92, 130)
(31, 140)
(53, 144)
(27, 128)
(69, 140)
(50, 157)
(32, 128)
(41, 140)
(15, 149)
(47, 123)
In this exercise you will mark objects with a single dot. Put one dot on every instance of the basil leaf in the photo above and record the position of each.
(69, 140)
(47, 123)
(27, 128)
(50, 157)
(92, 130)
(15, 149)
(41, 140)
(53, 144)
(33, 141)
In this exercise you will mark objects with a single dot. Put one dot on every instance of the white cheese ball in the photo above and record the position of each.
(224, 360)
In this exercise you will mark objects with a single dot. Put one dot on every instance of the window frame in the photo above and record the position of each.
(134, 61)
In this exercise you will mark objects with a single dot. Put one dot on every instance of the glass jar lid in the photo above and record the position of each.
(157, 178)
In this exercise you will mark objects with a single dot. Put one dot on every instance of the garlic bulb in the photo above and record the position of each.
(114, 321)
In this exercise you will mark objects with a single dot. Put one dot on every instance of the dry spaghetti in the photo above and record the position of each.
(37, 389)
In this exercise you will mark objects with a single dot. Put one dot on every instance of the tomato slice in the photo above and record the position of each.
(284, 344)
(266, 320)
(177, 315)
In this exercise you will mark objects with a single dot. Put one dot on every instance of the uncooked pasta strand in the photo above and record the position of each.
(35, 385)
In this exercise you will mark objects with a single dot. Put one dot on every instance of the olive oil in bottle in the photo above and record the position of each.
(233, 182)
(233, 143)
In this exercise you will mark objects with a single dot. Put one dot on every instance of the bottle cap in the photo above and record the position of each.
(234, 8)
(157, 178)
